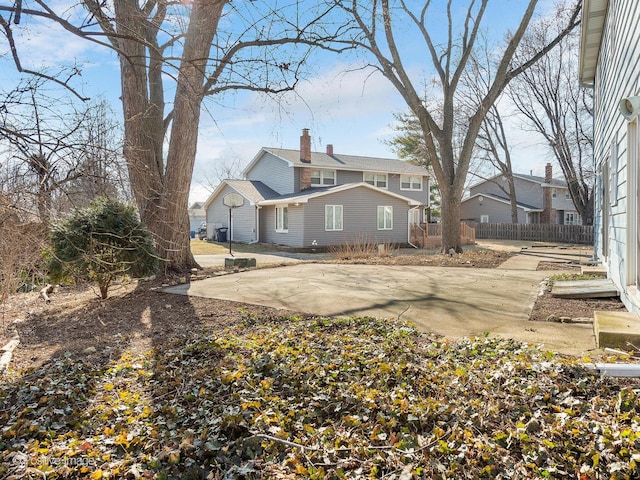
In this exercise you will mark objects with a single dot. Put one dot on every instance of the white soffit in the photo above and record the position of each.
(593, 16)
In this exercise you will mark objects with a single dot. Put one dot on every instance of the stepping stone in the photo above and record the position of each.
(617, 329)
(600, 288)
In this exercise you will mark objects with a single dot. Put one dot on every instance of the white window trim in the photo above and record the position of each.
(484, 218)
(333, 207)
(381, 208)
(411, 183)
(322, 173)
(375, 179)
(282, 230)
(576, 218)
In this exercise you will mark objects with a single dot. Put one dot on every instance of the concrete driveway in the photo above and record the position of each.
(453, 302)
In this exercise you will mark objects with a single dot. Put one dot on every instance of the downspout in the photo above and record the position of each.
(409, 229)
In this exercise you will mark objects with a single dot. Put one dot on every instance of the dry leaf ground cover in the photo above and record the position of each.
(149, 385)
(261, 395)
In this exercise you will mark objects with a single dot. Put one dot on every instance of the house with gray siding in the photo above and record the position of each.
(539, 200)
(610, 65)
(306, 199)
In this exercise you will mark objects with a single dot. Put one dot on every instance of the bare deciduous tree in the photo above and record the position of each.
(555, 107)
(493, 142)
(381, 24)
(202, 48)
(52, 152)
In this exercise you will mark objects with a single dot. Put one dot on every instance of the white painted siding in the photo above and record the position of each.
(617, 76)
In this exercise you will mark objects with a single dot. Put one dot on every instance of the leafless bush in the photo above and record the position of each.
(21, 245)
(361, 247)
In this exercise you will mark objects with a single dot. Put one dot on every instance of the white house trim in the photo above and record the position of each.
(305, 197)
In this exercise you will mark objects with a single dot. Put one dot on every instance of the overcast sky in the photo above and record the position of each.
(353, 110)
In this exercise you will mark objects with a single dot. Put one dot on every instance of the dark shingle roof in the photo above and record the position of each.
(349, 162)
(253, 190)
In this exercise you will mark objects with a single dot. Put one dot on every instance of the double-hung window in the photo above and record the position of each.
(376, 179)
(385, 218)
(323, 178)
(332, 217)
(282, 219)
(410, 182)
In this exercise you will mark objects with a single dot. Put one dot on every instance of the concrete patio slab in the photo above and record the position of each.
(453, 302)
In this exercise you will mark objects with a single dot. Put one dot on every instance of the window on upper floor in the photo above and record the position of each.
(376, 179)
(323, 178)
(410, 182)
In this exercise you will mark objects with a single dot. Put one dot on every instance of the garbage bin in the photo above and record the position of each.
(221, 234)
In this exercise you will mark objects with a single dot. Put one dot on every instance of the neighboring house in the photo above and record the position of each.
(197, 215)
(302, 198)
(539, 199)
(610, 64)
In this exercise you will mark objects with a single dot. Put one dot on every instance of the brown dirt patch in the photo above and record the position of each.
(134, 317)
(550, 308)
(468, 259)
(563, 266)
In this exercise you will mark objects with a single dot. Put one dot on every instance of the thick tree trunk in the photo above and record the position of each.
(450, 220)
(173, 238)
(140, 118)
(161, 193)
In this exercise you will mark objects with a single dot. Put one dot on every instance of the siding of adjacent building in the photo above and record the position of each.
(307, 221)
(393, 184)
(528, 193)
(243, 218)
(617, 76)
(498, 212)
(275, 173)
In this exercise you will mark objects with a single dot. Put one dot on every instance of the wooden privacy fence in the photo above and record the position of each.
(430, 234)
(536, 232)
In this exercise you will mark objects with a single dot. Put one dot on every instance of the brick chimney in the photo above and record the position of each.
(547, 190)
(330, 150)
(548, 173)
(305, 146)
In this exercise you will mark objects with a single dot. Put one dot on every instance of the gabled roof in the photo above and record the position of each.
(306, 195)
(342, 162)
(253, 190)
(594, 13)
(523, 206)
(555, 182)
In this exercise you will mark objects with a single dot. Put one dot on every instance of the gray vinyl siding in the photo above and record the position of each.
(617, 77)
(393, 184)
(274, 173)
(359, 218)
(561, 202)
(292, 238)
(528, 193)
(243, 218)
(498, 212)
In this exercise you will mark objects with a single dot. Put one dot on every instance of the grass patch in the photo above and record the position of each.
(321, 399)
(203, 247)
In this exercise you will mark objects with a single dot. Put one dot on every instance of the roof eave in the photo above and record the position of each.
(593, 17)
